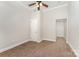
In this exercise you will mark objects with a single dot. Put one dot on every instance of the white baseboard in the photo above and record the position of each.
(49, 39)
(12, 46)
(38, 41)
(21, 42)
(73, 49)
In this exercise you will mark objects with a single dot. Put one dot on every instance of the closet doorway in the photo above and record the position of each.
(35, 26)
(61, 28)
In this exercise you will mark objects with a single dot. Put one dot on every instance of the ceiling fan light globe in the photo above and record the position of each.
(40, 4)
(37, 5)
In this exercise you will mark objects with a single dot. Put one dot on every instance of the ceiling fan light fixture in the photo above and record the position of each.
(37, 5)
(41, 4)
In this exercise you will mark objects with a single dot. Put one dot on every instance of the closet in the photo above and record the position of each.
(35, 26)
(61, 28)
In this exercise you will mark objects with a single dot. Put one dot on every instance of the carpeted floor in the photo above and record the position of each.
(43, 49)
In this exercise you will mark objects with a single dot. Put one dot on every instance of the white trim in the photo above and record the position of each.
(38, 41)
(73, 49)
(21, 42)
(12, 46)
(49, 9)
(49, 39)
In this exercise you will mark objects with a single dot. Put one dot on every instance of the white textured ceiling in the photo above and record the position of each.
(51, 4)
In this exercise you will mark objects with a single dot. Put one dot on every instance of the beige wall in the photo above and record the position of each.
(73, 35)
(49, 21)
(14, 24)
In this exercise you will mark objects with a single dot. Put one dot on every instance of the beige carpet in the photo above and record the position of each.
(42, 49)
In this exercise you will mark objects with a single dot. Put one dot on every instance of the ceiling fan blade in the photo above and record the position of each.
(32, 4)
(45, 5)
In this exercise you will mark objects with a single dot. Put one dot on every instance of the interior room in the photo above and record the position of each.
(39, 28)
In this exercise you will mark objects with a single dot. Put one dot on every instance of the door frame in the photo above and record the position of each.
(65, 28)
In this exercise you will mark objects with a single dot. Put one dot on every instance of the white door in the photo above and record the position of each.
(60, 28)
(35, 26)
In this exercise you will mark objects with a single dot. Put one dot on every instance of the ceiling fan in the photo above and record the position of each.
(39, 4)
